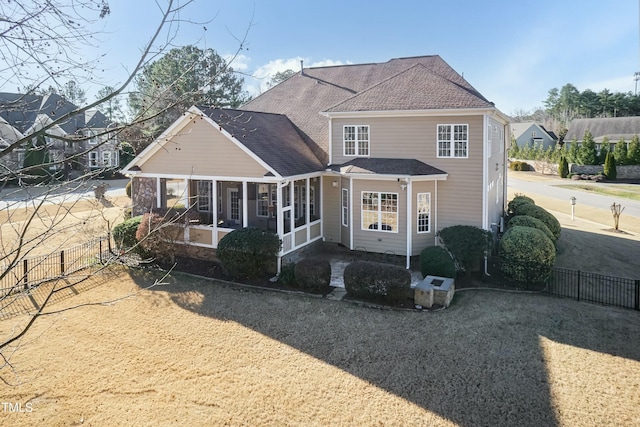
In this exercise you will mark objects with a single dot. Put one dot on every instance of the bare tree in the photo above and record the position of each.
(42, 43)
(616, 211)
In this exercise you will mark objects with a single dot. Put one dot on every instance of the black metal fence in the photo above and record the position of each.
(593, 287)
(31, 271)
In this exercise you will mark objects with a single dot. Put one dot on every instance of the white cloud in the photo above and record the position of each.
(258, 82)
(239, 62)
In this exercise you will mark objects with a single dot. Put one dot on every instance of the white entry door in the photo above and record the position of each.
(234, 207)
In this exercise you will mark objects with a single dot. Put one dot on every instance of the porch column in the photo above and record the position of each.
(158, 193)
(308, 209)
(214, 212)
(409, 225)
(245, 207)
(435, 213)
(292, 214)
(187, 191)
(279, 223)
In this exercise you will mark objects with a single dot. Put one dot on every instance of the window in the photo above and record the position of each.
(93, 159)
(219, 197)
(266, 197)
(453, 141)
(345, 207)
(204, 189)
(312, 201)
(93, 139)
(106, 158)
(424, 210)
(380, 211)
(356, 140)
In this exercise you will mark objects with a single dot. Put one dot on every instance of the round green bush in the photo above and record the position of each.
(540, 213)
(127, 189)
(374, 280)
(247, 252)
(526, 255)
(313, 275)
(467, 244)
(529, 221)
(517, 201)
(124, 234)
(436, 261)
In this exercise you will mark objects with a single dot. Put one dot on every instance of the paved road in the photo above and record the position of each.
(16, 197)
(547, 186)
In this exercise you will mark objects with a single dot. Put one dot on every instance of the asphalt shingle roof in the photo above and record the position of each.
(612, 127)
(272, 137)
(385, 166)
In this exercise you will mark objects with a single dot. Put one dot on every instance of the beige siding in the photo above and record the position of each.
(460, 196)
(301, 236)
(200, 149)
(315, 230)
(331, 209)
(374, 240)
(202, 236)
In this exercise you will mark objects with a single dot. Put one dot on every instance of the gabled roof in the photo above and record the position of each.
(518, 129)
(415, 88)
(612, 127)
(271, 137)
(383, 166)
(22, 111)
(305, 95)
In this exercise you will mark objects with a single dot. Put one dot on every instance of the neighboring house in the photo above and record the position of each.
(372, 156)
(613, 128)
(533, 134)
(86, 137)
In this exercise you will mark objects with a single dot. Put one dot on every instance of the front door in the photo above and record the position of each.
(233, 206)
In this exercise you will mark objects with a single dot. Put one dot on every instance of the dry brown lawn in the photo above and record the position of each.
(195, 352)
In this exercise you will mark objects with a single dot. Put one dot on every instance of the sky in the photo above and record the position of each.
(513, 52)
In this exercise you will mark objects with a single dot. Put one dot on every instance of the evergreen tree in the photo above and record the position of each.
(610, 167)
(572, 153)
(620, 152)
(604, 150)
(36, 155)
(587, 154)
(563, 167)
(633, 153)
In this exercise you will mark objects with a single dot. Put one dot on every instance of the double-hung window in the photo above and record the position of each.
(106, 159)
(453, 141)
(356, 140)
(380, 211)
(424, 211)
(205, 191)
(93, 159)
(266, 197)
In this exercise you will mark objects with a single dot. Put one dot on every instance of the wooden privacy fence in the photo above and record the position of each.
(593, 287)
(30, 272)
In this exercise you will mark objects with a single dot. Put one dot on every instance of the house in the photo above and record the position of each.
(87, 137)
(614, 128)
(533, 134)
(375, 156)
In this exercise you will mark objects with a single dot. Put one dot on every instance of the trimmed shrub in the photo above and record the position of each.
(436, 261)
(519, 166)
(467, 244)
(157, 237)
(247, 252)
(529, 221)
(526, 255)
(518, 200)
(287, 275)
(124, 234)
(610, 170)
(127, 189)
(373, 280)
(313, 275)
(563, 167)
(540, 213)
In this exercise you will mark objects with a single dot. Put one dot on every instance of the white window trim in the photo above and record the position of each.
(397, 213)
(107, 159)
(452, 147)
(345, 207)
(356, 145)
(271, 199)
(204, 201)
(93, 159)
(428, 230)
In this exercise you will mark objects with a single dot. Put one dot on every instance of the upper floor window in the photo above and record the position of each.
(356, 140)
(453, 141)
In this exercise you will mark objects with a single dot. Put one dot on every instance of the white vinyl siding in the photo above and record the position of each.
(356, 140)
(380, 211)
(424, 212)
(453, 141)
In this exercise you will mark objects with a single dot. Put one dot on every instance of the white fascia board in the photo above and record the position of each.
(158, 143)
(411, 113)
(240, 145)
(381, 177)
(269, 180)
(303, 176)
